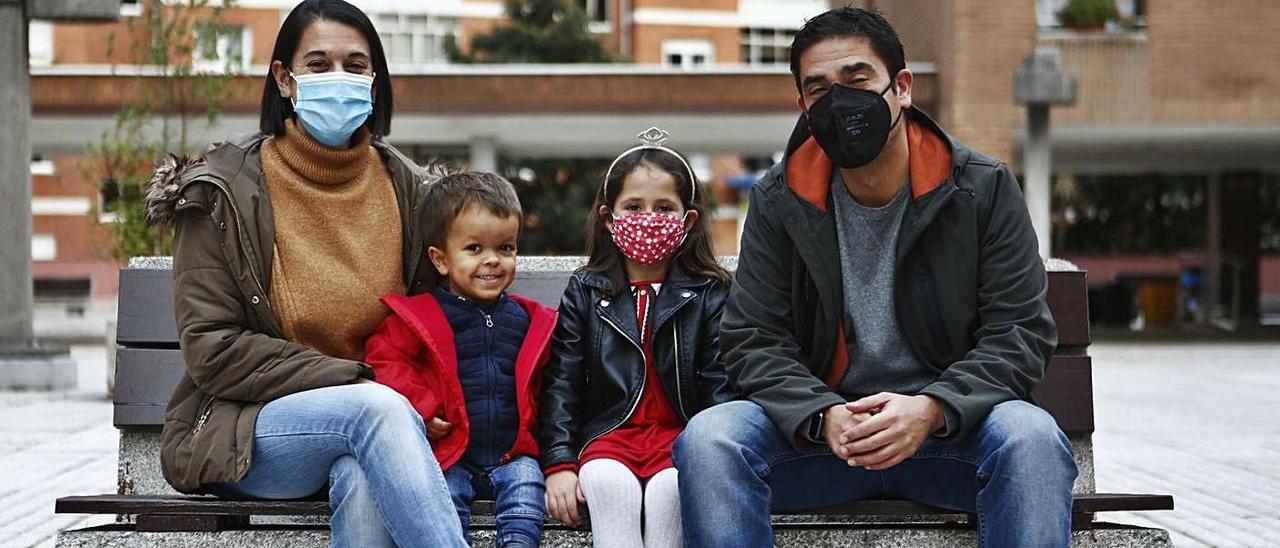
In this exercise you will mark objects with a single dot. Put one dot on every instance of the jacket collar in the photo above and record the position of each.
(426, 318)
(234, 166)
(676, 277)
(932, 155)
(677, 290)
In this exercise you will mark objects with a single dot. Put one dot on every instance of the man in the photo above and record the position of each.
(887, 322)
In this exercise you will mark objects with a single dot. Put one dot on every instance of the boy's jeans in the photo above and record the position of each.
(1015, 473)
(517, 487)
(368, 444)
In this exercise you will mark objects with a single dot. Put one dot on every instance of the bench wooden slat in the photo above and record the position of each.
(181, 505)
(164, 523)
(146, 304)
(1066, 392)
(145, 379)
(145, 316)
(1069, 303)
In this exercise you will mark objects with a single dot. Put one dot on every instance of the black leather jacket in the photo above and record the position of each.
(593, 382)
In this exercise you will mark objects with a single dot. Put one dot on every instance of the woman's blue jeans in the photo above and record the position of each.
(368, 445)
(1015, 472)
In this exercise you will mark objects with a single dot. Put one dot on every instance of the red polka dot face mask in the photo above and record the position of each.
(650, 237)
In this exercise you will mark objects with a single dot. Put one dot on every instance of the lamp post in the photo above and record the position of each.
(23, 363)
(1041, 82)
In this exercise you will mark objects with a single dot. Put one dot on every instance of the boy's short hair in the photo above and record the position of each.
(452, 194)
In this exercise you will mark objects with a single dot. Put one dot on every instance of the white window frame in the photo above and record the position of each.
(687, 50)
(44, 247)
(40, 43)
(130, 8)
(755, 40)
(223, 63)
(430, 36)
(43, 167)
(599, 21)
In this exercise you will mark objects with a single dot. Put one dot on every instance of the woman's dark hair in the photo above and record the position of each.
(277, 109)
(695, 257)
(849, 22)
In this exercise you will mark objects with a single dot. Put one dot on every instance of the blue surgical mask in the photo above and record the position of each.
(333, 105)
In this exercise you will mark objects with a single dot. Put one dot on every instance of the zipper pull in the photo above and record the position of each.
(203, 418)
(488, 321)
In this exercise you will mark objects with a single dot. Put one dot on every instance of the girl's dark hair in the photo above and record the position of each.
(277, 109)
(695, 257)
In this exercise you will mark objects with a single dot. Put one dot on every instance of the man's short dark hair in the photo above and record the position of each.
(849, 22)
(454, 193)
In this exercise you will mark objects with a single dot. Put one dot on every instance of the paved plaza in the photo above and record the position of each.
(1195, 420)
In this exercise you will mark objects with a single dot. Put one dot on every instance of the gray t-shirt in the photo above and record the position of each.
(879, 358)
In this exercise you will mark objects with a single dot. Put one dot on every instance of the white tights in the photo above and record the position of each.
(617, 503)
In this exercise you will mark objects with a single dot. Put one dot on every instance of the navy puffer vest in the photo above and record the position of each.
(487, 339)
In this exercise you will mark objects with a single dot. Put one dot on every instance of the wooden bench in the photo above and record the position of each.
(149, 364)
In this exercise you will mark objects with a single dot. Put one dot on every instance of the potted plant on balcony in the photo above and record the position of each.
(1088, 14)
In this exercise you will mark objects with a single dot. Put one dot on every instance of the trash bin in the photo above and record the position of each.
(1159, 299)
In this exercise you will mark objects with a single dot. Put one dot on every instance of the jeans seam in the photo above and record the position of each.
(772, 463)
(518, 513)
(948, 455)
(290, 434)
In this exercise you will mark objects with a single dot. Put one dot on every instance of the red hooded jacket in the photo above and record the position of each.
(413, 352)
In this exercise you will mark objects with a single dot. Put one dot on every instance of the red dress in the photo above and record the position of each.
(643, 443)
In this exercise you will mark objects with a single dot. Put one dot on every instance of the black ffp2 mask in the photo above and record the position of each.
(851, 125)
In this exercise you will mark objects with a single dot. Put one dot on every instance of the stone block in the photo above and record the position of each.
(23, 368)
(870, 536)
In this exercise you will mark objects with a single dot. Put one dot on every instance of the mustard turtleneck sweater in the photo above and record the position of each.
(338, 240)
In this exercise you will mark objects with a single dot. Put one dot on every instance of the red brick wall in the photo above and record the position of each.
(648, 39)
(989, 38)
(718, 5)
(92, 43)
(82, 245)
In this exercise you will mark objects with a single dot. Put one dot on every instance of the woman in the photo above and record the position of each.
(284, 241)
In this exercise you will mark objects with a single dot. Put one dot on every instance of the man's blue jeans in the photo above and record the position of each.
(1015, 473)
(517, 487)
(368, 444)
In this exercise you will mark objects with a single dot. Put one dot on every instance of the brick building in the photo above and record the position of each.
(1180, 87)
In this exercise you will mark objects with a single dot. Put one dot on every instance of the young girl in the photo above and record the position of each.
(636, 352)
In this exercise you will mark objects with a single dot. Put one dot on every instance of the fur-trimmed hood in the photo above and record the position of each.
(165, 186)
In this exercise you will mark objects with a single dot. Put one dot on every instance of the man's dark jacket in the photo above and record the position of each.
(968, 280)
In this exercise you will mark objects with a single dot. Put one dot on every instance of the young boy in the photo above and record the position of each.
(468, 356)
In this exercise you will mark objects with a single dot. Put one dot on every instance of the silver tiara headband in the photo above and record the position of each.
(652, 139)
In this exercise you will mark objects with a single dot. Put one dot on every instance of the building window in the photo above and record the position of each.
(44, 247)
(765, 46)
(688, 54)
(597, 10)
(40, 43)
(222, 49)
(1130, 14)
(40, 166)
(416, 39)
(598, 20)
(114, 197)
(130, 8)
